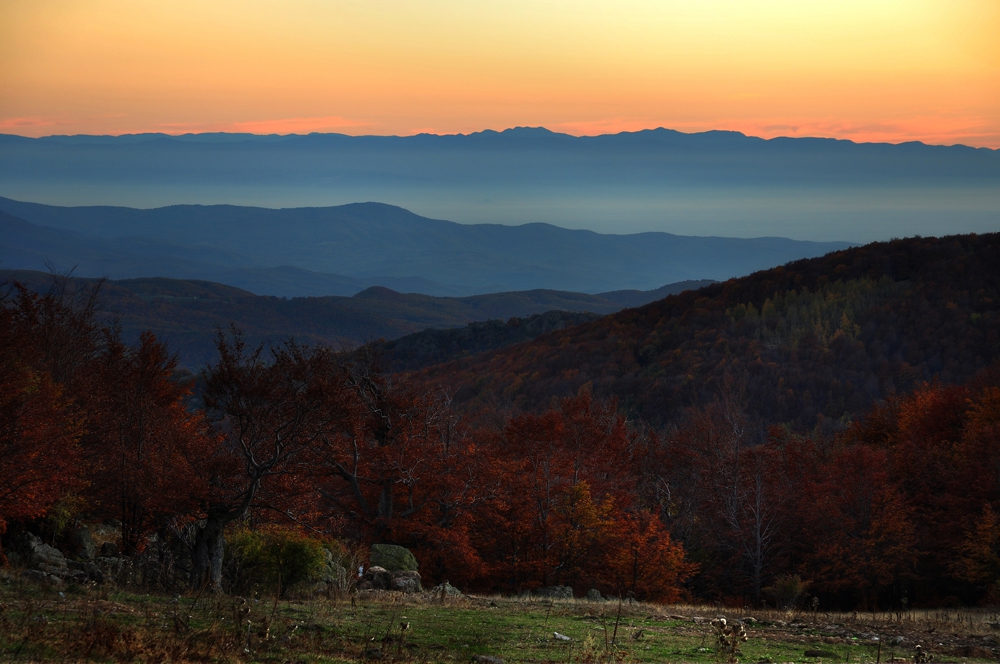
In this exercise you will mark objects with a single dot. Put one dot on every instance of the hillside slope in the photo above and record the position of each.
(374, 242)
(187, 313)
(812, 342)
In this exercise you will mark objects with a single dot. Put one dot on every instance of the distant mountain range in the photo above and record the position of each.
(711, 183)
(187, 315)
(343, 250)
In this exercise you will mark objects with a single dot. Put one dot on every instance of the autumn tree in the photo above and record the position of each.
(270, 413)
(47, 342)
(396, 466)
(143, 446)
(39, 432)
(861, 528)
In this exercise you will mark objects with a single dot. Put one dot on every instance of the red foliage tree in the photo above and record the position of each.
(39, 424)
(143, 446)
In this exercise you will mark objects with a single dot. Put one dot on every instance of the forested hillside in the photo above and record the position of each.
(187, 314)
(717, 501)
(816, 341)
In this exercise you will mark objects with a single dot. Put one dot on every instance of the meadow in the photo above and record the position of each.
(104, 624)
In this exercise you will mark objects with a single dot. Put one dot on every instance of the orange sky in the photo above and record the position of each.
(866, 70)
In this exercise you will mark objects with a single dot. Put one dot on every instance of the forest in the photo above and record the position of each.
(743, 486)
(816, 341)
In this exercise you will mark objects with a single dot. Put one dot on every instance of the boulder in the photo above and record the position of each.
(41, 577)
(333, 572)
(554, 592)
(407, 582)
(90, 571)
(446, 589)
(40, 556)
(81, 542)
(594, 595)
(393, 558)
(379, 577)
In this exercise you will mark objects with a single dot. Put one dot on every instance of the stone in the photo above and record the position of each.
(81, 542)
(109, 550)
(447, 589)
(335, 574)
(39, 576)
(379, 577)
(594, 595)
(554, 592)
(88, 570)
(42, 557)
(486, 659)
(407, 582)
(393, 558)
(365, 585)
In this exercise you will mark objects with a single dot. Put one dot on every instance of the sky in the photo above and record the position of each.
(865, 70)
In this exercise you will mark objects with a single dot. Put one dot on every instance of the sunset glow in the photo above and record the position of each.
(865, 70)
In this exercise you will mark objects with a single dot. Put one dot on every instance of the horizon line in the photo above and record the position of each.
(734, 132)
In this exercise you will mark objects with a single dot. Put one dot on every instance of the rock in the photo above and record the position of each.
(560, 637)
(393, 558)
(333, 573)
(407, 582)
(594, 595)
(486, 659)
(380, 577)
(446, 588)
(90, 571)
(81, 542)
(825, 654)
(40, 556)
(554, 592)
(39, 576)
(114, 569)
(364, 584)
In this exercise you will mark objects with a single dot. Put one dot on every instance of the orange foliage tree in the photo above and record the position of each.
(143, 446)
(39, 425)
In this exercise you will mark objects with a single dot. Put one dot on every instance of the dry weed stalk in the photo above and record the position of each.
(729, 636)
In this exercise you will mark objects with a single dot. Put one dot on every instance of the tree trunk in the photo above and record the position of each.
(207, 554)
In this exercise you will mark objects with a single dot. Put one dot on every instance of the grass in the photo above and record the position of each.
(38, 624)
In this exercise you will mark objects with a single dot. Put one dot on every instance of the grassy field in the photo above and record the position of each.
(40, 624)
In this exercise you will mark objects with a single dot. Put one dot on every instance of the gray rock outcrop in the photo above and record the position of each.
(393, 558)
(81, 542)
(554, 592)
(446, 589)
(379, 577)
(407, 582)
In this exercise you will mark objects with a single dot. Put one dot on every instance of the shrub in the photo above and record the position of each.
(787, 590)
(274, 558)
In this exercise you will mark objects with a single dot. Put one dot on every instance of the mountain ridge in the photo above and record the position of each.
(380, 244)
(187, 313)
(711, 183)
